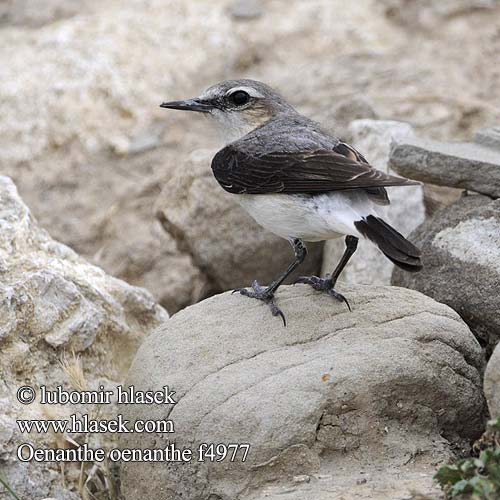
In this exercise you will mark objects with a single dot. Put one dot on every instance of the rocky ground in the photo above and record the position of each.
(90, 151)
(355, 396)
(125, 191)
(62, 321)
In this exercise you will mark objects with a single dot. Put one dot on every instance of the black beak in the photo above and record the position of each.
(188, 105)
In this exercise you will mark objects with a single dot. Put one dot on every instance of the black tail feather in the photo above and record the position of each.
(393, 244)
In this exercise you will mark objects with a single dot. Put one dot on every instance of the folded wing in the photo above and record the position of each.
(317, 171)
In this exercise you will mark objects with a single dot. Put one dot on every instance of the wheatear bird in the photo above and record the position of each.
(297, 180)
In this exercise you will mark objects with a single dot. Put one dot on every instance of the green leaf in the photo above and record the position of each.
(469, 468)
(474, 478)
(462, 486)
(494, 473)
(483, 488)
(448, 474)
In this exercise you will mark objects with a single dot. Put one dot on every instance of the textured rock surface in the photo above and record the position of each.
(373, 139)
(413, 481)
(52, 302)
(395, 382)
(427, 14)
(99, 66)
(489, 137)
(222, 239)
(93, 159)
(461, 256)
(41, 12)
(245, 9)
(438, 197)
(346, 111)
(459, 165)
(492, 383)
(88, 161)
(127, 241)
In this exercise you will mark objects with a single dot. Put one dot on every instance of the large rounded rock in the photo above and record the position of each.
(461, 257)
(395, 382)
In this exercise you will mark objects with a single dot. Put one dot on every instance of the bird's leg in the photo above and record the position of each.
(327, 284)
(267, 294)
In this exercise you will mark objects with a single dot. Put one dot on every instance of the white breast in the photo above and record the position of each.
(311, 218)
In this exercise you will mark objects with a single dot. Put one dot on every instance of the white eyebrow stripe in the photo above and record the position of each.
(249, 90)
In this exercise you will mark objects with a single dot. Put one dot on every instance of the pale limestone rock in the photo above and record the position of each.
(53, 303)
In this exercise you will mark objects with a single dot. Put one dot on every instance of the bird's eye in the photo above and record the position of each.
(239, 98)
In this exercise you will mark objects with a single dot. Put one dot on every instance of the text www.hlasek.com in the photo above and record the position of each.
(85, 424)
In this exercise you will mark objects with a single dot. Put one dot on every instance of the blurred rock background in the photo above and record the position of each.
(83, 138)
(128, 186)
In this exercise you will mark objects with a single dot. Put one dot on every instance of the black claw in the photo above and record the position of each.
(340, 297)
(260, 293)
(276, 311)
(323, 285)
(283, 318)
(348, 305)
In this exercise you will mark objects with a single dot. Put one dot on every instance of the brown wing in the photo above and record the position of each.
(344, 149)
(377, 194)
(317, 171)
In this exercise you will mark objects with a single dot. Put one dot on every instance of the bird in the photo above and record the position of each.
(298, 181)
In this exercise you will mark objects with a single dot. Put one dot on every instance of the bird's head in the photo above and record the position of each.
(237, 106)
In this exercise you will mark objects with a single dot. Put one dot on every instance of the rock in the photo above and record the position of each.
(90, 66)
(414, 481)
(222, 239)
(366, 62)
(355, 108)
(438, 197)
(57, 295)
(30, 14)
(338, 119)
(88, 162)
(459, 165)
(489, 137)
(373, 138)
(492, 383)
(55, 306)
(398, 380)
(245, 9)
(427, 14)
(96, 71)
(132, 245)
(461, 256)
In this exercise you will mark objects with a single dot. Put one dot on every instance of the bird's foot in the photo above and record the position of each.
(267, 296)
(323, 285)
